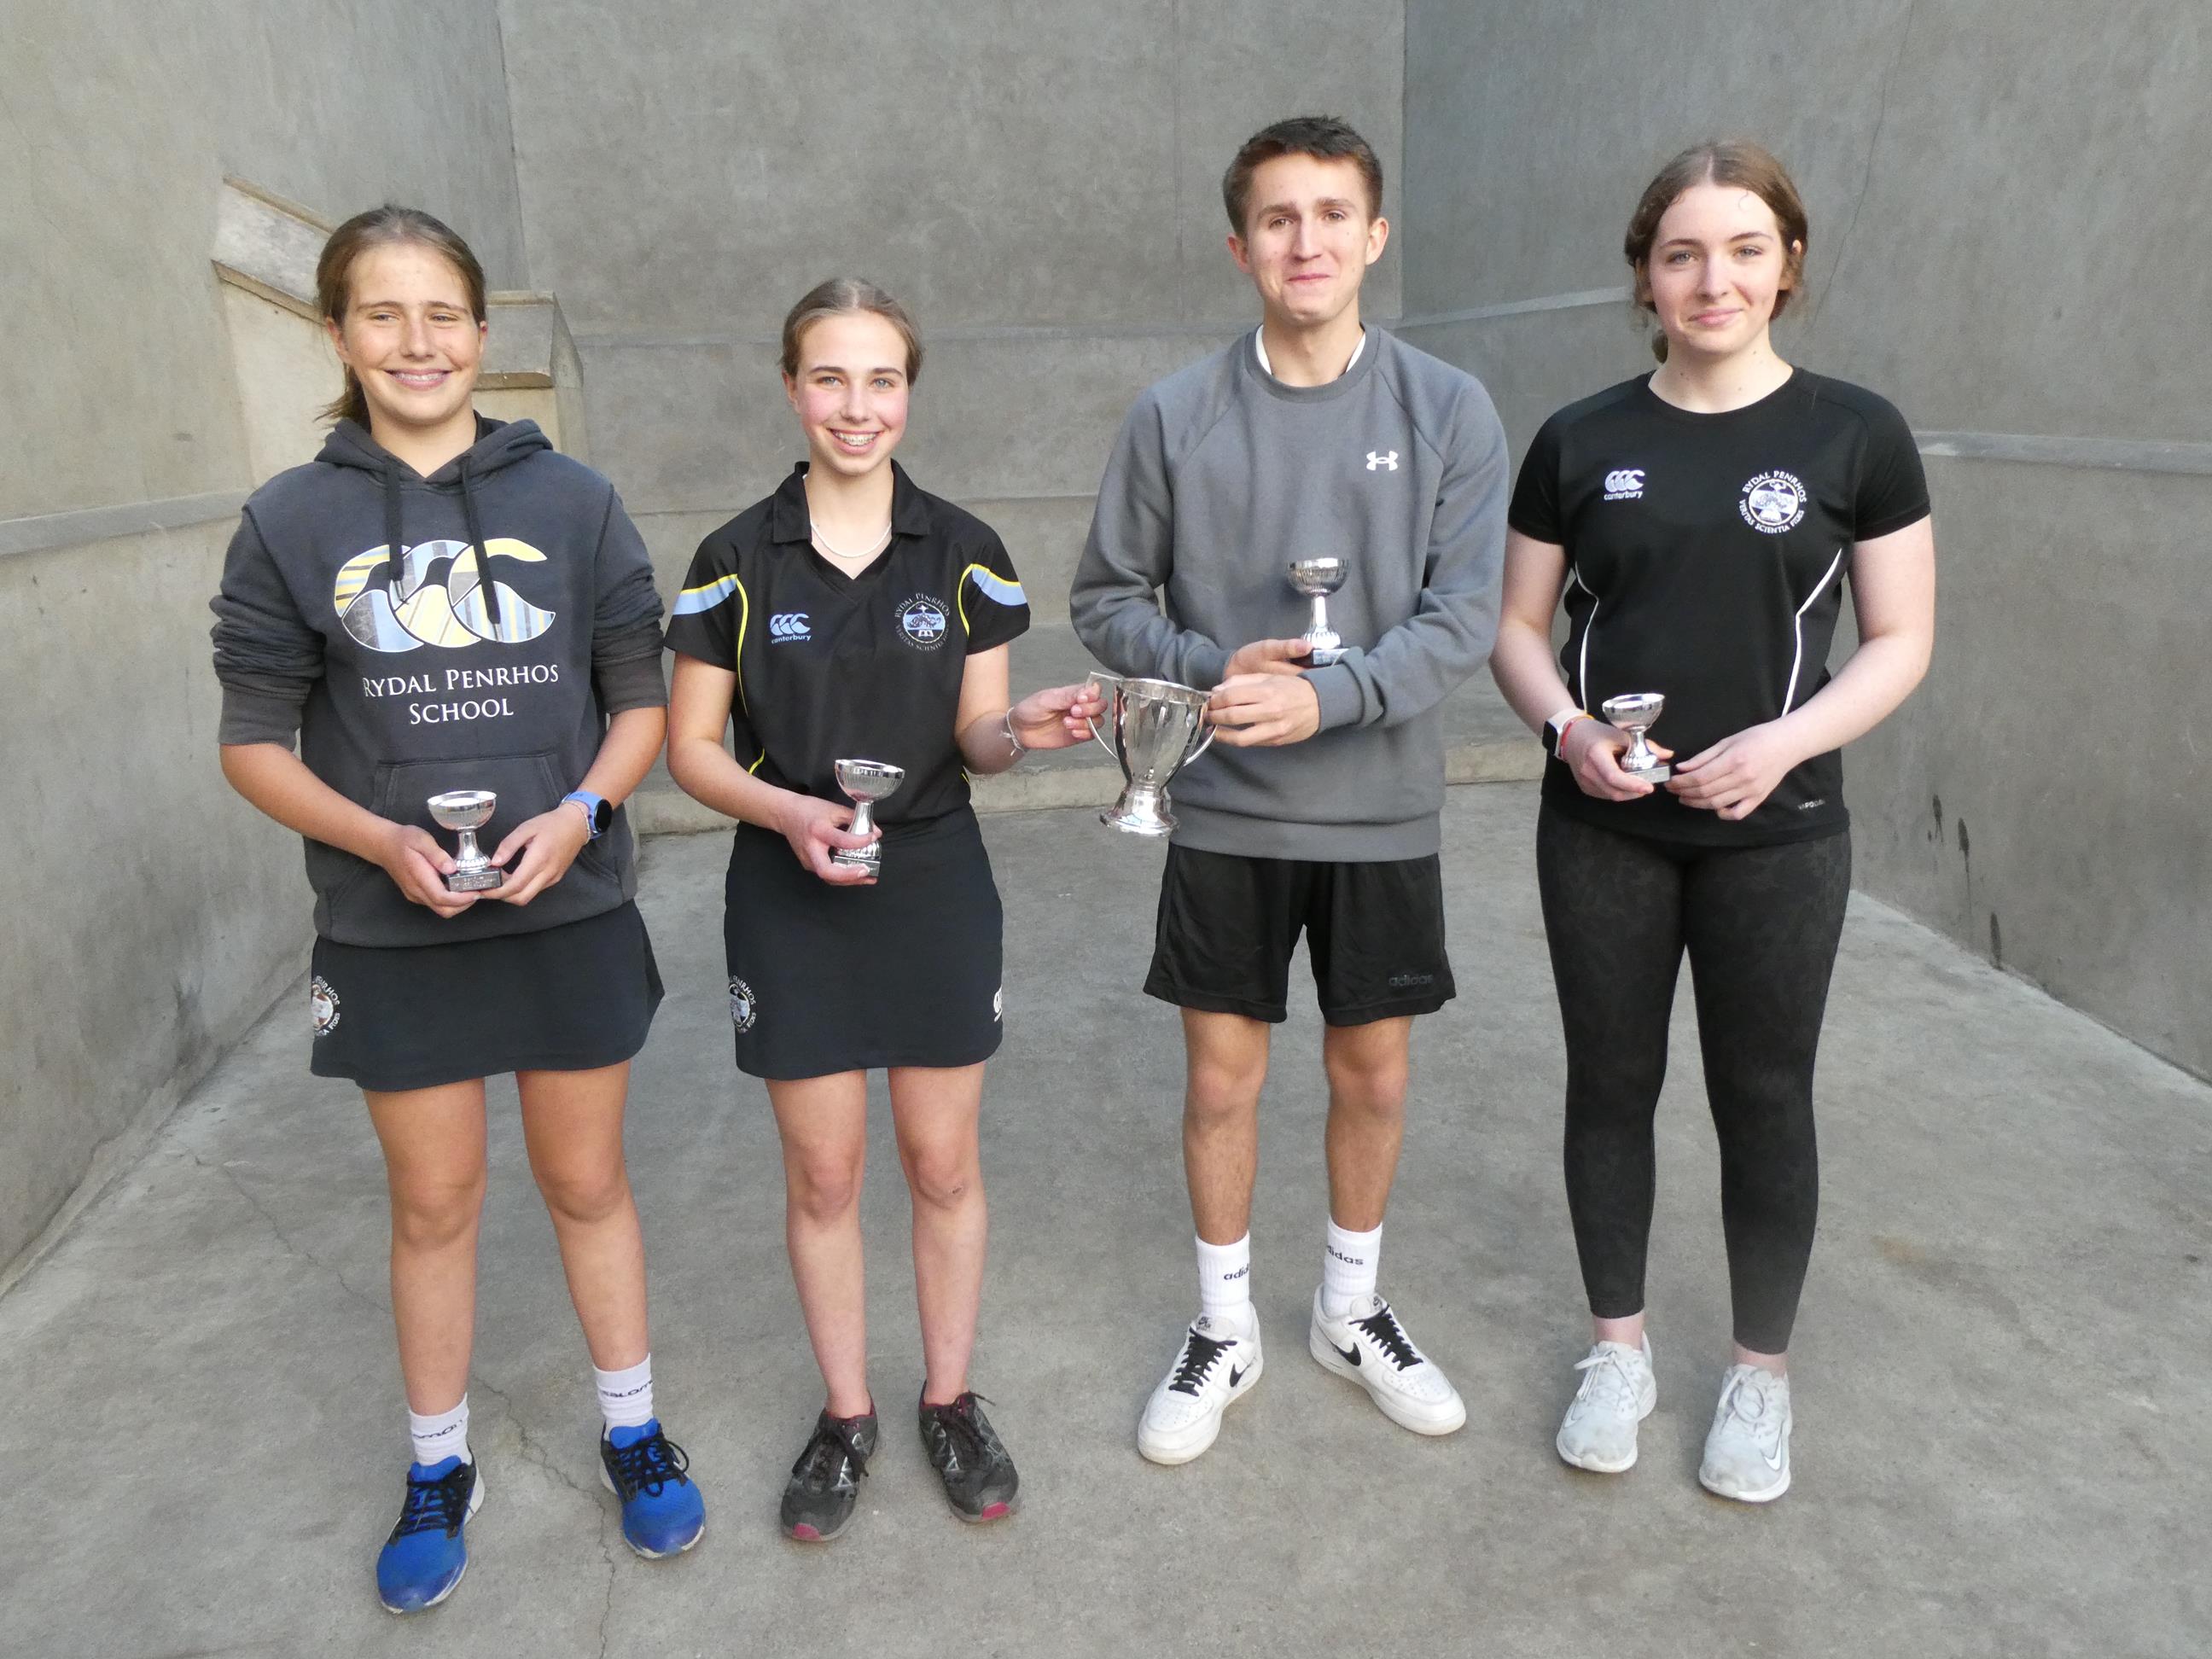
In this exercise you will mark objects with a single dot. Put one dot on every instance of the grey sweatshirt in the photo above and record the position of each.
(1222, 475)
(518, 615)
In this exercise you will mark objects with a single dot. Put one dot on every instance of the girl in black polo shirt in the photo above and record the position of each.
(1700, 523)
(851, 615)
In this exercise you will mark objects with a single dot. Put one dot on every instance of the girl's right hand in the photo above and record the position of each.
(816, 829)
(1589, 753)
(418, 867)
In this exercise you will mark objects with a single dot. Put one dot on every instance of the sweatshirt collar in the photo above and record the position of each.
(1260, 351)
(790, 521)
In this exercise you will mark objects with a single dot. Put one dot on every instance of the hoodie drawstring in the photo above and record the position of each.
(395, 562)
(485, 586)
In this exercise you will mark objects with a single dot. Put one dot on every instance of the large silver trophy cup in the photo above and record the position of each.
(468, 810)
(1317, 579)
(1158, 727)
(1636, 714)
(867, 782)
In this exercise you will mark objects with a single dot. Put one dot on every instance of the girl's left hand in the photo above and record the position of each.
(1738, 772)
(1058, 717)
(548, 844)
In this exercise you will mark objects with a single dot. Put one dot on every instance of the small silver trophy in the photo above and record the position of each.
(1157, 726)
(1636, 714)
(468, 810)
(867, 782)
(1317, 579)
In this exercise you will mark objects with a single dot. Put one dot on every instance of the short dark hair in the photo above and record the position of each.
(1324, 137)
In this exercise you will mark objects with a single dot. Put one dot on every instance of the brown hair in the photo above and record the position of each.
(387, 225)
(842, 296)
(1729, 161)
(1322, 136)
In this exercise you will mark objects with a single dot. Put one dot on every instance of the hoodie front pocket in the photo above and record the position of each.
(524, 786)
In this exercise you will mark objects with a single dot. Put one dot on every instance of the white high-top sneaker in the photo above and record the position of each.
(1618, 1392)
(1216, 1364)
(1747, 1449)
(1370, 1346)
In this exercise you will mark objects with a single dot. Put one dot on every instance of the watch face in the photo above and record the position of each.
(603, 818)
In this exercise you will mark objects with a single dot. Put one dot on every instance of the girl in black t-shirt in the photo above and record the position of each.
(851, 615)
(1700, 523)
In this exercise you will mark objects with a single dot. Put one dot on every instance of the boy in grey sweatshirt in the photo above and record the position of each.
(1317, 808)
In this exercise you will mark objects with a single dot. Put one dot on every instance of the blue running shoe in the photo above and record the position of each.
(662, 1511)
(425, 1556)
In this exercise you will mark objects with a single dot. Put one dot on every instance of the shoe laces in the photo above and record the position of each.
(647, 1465)
(438, 1505)
(962, 1432)
(1381, 1326)
(830, 1452)
(1749, 1401)
(1198, 1355)
(1607, 1381)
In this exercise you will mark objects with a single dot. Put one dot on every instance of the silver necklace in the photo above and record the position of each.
(822, 542)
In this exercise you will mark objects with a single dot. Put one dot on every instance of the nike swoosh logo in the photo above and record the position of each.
(1773, 1463)
(1237, 1373)
(1352, 1353)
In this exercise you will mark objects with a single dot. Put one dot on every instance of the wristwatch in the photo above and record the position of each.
(1556, 728)
(596, 813)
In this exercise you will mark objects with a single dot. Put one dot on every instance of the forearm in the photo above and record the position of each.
(1880, 674)
(1527, 673)
(710, 775)
(277, 782)
(625, 754)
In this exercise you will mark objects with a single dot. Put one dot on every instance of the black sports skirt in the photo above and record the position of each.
(828, 979)
(566, 998)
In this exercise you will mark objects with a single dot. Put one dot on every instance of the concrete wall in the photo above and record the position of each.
(1999, 247)
(1039, 183)
(158, 913)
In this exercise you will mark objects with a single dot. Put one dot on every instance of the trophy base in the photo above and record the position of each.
(869, 858)
(482, 880)
(1653, 774)
(1323, 655)
(1140, 814)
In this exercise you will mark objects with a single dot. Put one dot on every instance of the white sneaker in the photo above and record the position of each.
(1216, 1364)
(1747, 1450)
(1618, 1392)
(1370, 1348)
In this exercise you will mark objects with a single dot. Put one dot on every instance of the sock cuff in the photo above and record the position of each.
(625, 1397)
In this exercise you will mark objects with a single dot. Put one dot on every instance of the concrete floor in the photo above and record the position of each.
(2004, 1375)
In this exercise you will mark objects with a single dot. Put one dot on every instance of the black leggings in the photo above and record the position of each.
(1761, 925)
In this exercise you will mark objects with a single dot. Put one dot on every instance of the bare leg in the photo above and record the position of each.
(433, 1161)
(1367, 1067)
(572, 1123)
(937, 1112)
(1225, 1058)
(823, 1123)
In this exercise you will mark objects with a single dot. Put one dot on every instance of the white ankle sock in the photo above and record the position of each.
(625, 1397)
(1348, 1267)
(443, 1435)
(1224, 1282)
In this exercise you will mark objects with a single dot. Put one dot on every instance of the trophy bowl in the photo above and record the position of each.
(1636, 712)
(1317, 579)
(867, 782)
(468, 810)
(1158, 727)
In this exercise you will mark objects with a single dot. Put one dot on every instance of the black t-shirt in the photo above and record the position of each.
(1706, 557)
(832, 667)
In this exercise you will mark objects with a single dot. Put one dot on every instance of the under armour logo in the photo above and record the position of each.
(789, 625)
(1625, 484)
(1375, 460)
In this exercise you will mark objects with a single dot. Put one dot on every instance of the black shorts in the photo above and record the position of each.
(568, 998)
(828, 979)
(1228, 925)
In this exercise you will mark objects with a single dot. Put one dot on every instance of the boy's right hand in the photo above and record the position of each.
(1269, 657)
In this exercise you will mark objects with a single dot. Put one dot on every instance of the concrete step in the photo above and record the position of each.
(1484, 743)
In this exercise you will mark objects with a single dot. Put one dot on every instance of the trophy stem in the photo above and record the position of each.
(863, 818)
(1320, 613)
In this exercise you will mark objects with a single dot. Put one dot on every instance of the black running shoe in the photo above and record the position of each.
(825, 1488)
(979, 1482)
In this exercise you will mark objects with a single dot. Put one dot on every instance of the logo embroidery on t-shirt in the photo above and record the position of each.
(922, 621)
(1625, 483)
(1773, 502)
(742, 1008)
(1375, 460)
(787, 625)
(322, 1004)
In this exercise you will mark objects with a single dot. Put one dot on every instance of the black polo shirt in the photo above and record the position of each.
(1706, 559)
(831, 666)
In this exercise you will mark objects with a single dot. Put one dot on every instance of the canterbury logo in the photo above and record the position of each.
(1374, 460)
(1626, 484)
(439, 599)
(789, 625)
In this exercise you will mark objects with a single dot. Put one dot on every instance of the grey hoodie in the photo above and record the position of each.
(1223, 475)
(407, 675)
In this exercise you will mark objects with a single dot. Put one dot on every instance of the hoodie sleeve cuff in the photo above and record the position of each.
(636, 683)
(258, 717)
(1338, 689)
